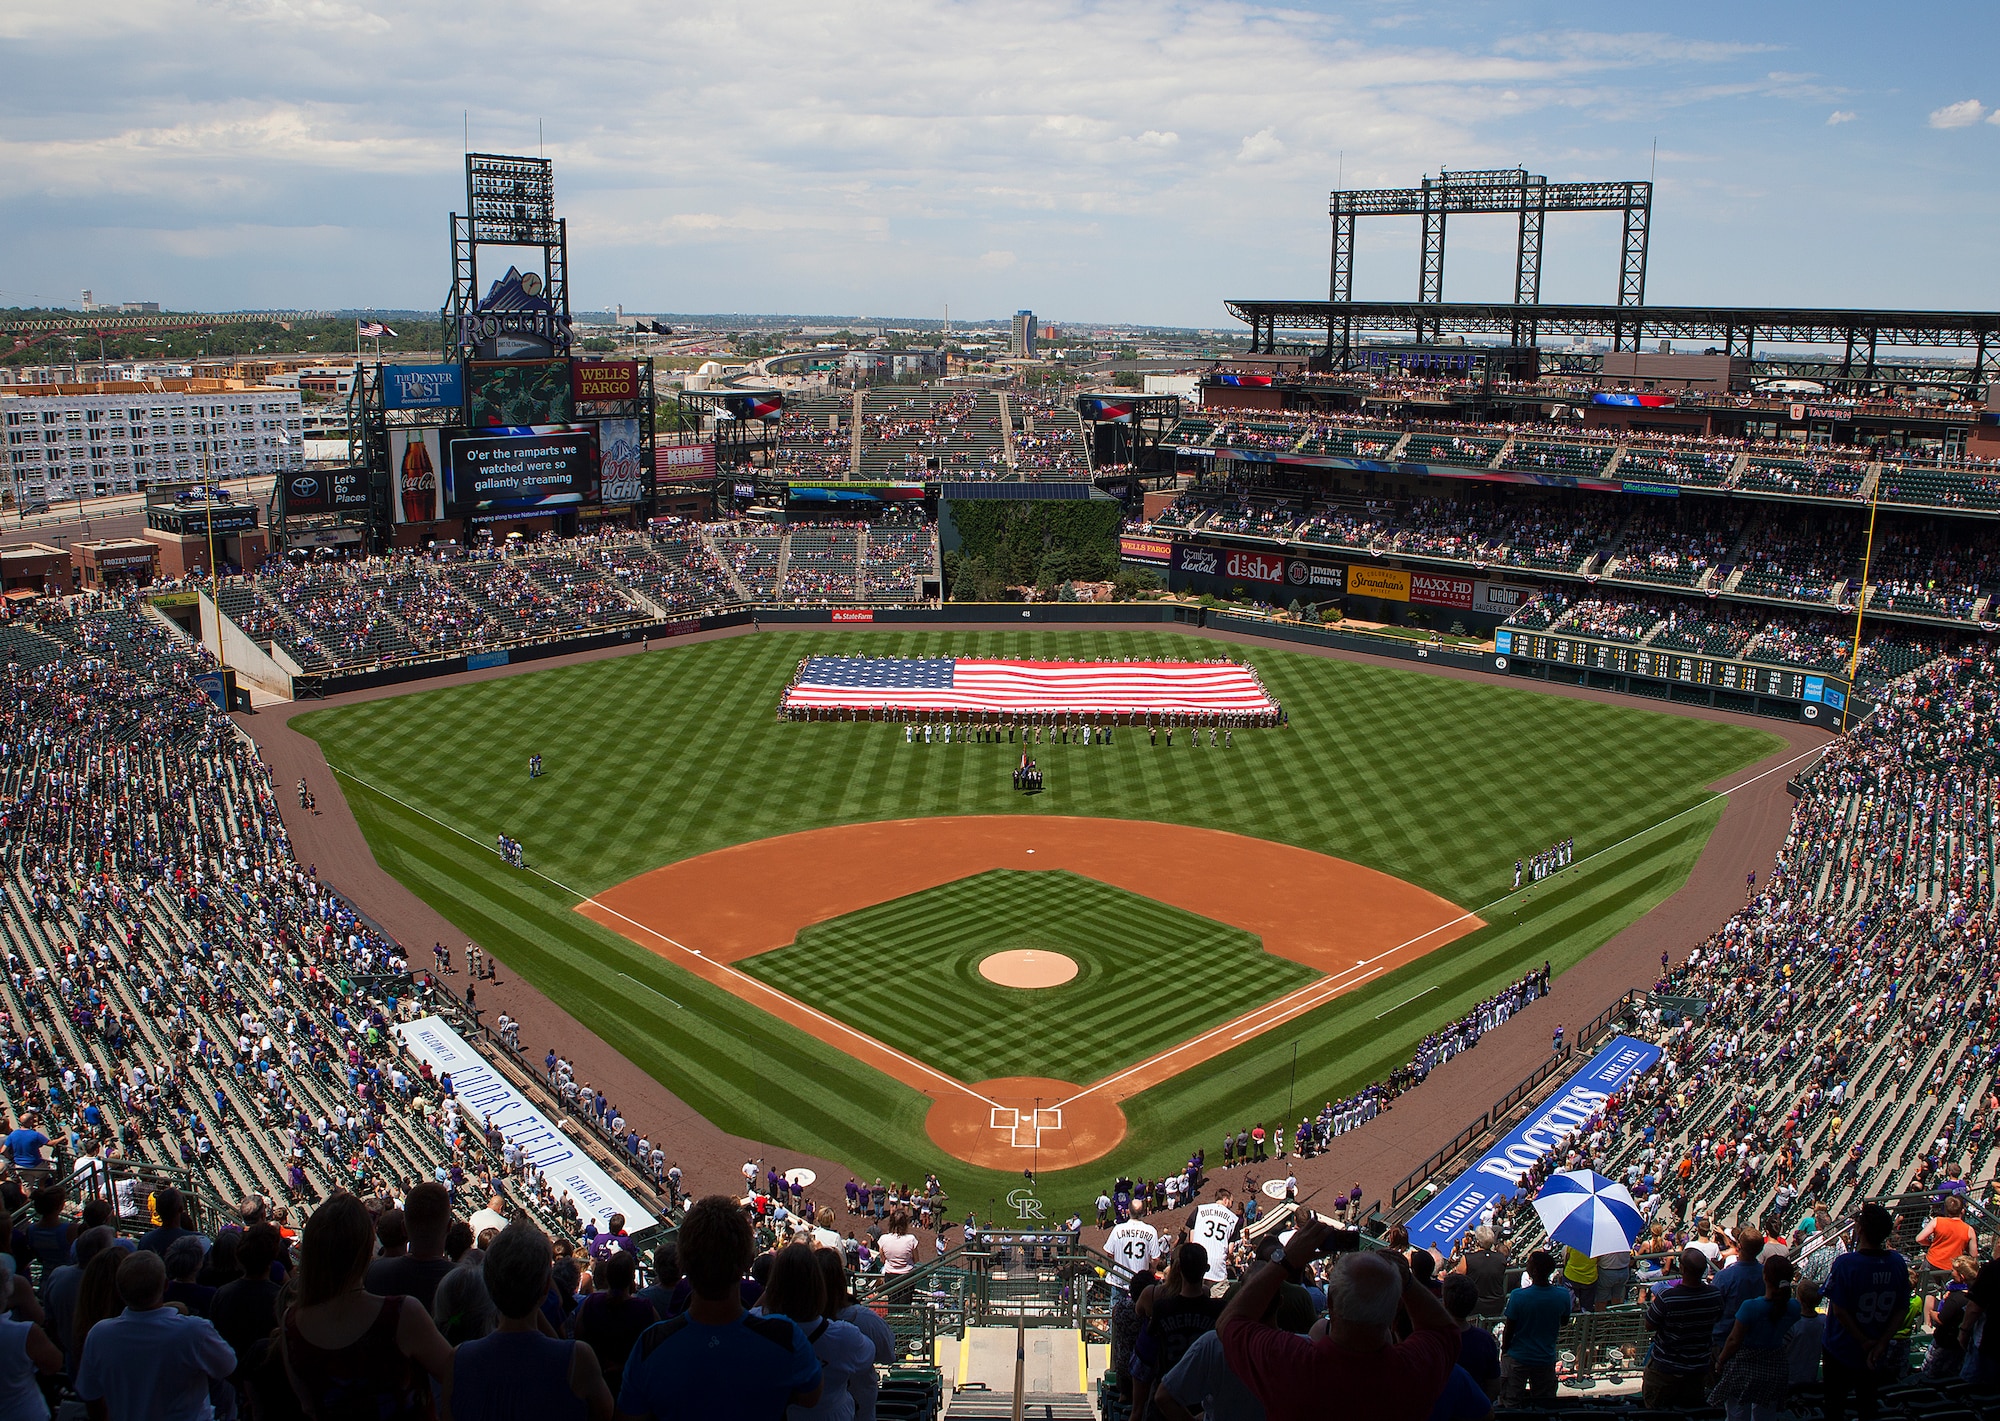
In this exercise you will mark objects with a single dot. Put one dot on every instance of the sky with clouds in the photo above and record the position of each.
(1134, 160)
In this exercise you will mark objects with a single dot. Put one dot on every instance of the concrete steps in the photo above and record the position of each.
(1053, 1368)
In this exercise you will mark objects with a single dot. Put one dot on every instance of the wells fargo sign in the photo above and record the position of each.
(605, 379)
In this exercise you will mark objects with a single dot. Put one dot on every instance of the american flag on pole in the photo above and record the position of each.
(371, 328)
(967, 684)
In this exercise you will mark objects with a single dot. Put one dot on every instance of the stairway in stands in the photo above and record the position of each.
(1050, 1363)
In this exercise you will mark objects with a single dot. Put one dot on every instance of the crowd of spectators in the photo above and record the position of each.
(1679, 544)
(179, 989)
(1918, 474)
(1614, 618)
(941, 433)
(815, 441)
(822, 563)
(1049, 440)
(416, 604)
(1840, 1051)
(402, 1303)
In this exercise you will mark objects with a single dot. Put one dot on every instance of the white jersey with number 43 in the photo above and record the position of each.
(1214, 1226)
(1132, 1245)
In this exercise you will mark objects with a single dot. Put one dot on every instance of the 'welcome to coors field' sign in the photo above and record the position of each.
(483, 1094)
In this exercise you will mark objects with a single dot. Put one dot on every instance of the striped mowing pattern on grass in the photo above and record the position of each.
(907, 972)
(656, 758)
(659, 757)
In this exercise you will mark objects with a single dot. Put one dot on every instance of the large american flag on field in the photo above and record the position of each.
(950, 684)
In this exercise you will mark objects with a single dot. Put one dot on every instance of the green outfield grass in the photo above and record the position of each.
(658, 757)
(1148, 975)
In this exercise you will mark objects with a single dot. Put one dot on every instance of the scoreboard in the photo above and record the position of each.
(1625, 659)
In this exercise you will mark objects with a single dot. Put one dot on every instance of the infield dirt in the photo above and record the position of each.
(1752, 828)
(1345, 921)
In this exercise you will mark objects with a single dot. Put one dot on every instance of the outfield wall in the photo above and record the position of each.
(309, 687)
(1500, 666)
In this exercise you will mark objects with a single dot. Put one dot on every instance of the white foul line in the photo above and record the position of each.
(1406, 1001)
(1288, 1006)
(644, 988)
(1326, 988)
(720, 966)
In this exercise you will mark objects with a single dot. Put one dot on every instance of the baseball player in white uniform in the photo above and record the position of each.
(1214, 1226)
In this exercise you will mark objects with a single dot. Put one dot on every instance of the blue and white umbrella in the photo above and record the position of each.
(1590, 1213)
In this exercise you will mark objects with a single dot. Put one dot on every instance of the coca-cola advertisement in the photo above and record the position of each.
(416, 463)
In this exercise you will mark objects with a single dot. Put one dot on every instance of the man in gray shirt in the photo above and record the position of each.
(151, 1363)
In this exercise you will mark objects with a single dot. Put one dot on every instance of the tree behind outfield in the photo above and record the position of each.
(1044, 542)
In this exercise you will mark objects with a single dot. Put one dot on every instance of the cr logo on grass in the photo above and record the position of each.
(1024, 1204)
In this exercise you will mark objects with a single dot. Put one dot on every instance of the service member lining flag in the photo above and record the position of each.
(950, 684)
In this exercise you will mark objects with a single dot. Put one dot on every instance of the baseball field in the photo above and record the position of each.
(787, 922)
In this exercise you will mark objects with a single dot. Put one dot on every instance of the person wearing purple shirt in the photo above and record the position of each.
(1867, 1296)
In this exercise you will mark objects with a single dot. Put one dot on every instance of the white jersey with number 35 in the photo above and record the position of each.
(1133, 1245)
(1214, 1226)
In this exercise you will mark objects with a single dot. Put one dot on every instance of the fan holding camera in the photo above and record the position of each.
(1352, 1355)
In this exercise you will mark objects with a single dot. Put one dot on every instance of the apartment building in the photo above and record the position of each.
(65, 446)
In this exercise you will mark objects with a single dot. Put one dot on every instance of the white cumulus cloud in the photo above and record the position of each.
(1260, 147)
(1962, 114)
(1840, 116)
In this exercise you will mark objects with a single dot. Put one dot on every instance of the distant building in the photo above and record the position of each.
(66, 446)
(895, 364)
(325, 380)
(1024, 334)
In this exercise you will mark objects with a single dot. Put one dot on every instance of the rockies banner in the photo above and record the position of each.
(1459, 1205)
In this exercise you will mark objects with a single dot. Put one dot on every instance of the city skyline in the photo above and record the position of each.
(1106, 163)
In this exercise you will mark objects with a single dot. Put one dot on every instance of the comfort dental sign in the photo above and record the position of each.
(1458, 1207)
(483, 1093)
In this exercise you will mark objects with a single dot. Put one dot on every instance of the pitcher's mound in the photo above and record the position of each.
(1028, 969)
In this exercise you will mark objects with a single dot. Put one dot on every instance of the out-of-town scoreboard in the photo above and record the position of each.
(1624, 659)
